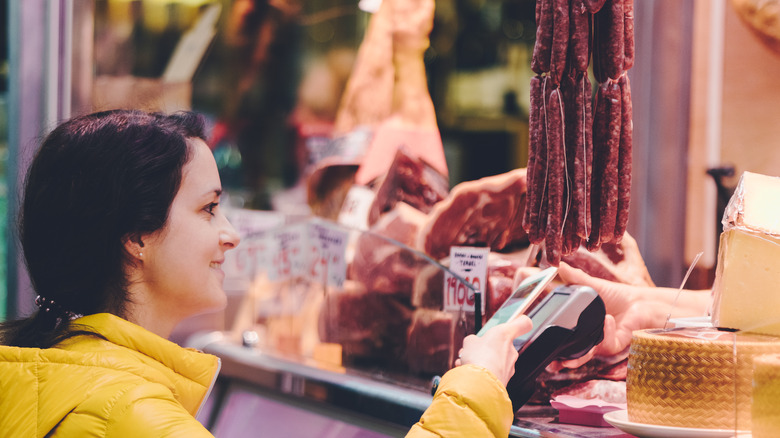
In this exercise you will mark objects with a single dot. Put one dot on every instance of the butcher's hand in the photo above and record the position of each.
(631, 308)
(494, 350)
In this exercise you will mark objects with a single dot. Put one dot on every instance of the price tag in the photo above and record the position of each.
(328, 248)
(470, 264)
(288, 258)
(251, 257)
(354, 211)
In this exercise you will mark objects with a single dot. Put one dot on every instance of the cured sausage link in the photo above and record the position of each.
(536, 130)
(583, 156)
(571, 114)
(579, 38)
(540, 60)
(560, 40)
(544, 181)
(534, 220)
(609, 179)
(624, 158)
(600, 129)
(628, 32)
(610, 41)
(556, 181)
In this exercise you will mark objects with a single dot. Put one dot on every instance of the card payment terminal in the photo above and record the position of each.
(567, 323)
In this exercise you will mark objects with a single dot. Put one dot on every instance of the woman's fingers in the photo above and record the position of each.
(516, 327)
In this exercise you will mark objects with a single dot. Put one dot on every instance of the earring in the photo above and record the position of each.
(140, 254)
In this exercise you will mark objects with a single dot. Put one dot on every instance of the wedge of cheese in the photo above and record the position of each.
(755, 204)
(747, 277)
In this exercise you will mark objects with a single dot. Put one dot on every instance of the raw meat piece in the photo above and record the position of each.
(434, 339)
(408, 180)
(485, 212)
(380, 264)
(371, 327)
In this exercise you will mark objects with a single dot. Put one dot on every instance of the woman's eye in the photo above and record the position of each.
(211, 207)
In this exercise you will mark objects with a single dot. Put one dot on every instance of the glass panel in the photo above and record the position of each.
(334, 296)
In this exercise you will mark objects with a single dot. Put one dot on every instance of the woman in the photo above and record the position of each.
(123, 238)
(120, 223)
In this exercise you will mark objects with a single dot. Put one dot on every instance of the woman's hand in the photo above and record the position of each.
(494, 350)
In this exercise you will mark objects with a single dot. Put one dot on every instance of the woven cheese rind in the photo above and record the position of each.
(766, 396)
(693, 377)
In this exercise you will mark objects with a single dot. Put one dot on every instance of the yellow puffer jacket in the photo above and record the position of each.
(135, 383)
(470, 402)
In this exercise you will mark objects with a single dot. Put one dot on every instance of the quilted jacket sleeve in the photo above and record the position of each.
(470, 402)
(151, 411)
(141, 411)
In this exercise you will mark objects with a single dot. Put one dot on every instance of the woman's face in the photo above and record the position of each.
(182, 263)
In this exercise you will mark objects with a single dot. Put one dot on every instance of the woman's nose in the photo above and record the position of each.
(229, 236)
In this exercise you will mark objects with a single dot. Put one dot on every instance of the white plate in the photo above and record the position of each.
(620, 420)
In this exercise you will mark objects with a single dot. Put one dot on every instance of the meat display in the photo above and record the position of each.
(486, 212)
(579, 159)
(383, 266)
(571, 201)
(434, 338)
(409, 180)
(371, 327)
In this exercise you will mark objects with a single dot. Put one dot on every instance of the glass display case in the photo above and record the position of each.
(349, 326)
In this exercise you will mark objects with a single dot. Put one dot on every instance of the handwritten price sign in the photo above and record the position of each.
(288, 257)
(252, 255)
(470, 264)
(328, 246)
(354, 211)
(249, 259)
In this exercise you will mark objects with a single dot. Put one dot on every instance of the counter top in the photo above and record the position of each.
(393, 402)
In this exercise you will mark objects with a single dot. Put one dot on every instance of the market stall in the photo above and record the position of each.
(352, 292)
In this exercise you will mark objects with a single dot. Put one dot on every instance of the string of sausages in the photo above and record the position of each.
(579, 158)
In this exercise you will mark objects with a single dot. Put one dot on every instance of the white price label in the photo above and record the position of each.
(470, 264)
(354, 211)
(288, 257)
(328, 249)
(249, 258)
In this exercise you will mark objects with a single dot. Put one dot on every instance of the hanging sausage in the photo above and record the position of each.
(579, 160)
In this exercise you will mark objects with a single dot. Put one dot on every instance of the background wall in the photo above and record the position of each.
(735, 122)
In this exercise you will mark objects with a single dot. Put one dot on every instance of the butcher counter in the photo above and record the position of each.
(261, 394)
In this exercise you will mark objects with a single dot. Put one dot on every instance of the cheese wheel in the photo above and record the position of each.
(766, 396)
(696, 377)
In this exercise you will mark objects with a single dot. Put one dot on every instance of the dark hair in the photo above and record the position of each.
(96, 180)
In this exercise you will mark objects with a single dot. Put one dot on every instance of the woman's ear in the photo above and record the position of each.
(134, 246)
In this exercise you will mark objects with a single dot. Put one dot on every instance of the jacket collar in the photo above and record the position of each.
(188, 373)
